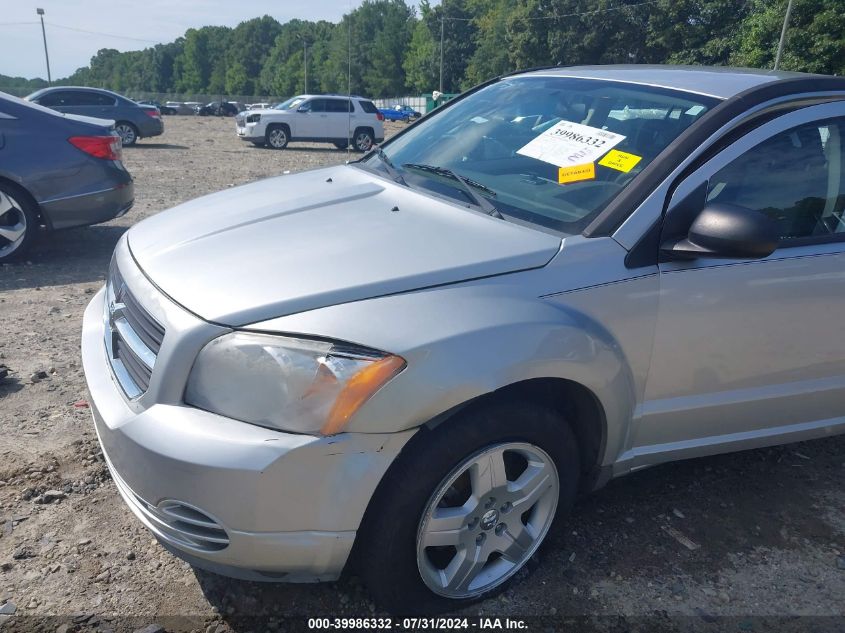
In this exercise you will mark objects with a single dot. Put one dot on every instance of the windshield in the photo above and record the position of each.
(552, 151)
(290, 104)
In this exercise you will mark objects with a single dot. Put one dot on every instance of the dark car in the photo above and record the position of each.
(57, 171)
(163, 109)
(218, 108)
(131, 120)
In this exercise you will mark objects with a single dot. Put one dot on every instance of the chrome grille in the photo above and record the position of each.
(132, 337)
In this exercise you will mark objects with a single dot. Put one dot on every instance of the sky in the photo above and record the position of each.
(149, 22)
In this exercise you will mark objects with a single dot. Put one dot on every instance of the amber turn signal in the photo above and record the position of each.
(359, 389)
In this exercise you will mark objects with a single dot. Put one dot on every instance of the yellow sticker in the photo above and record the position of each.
(620, 161)
(574, 174)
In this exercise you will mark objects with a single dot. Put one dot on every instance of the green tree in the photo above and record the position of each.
(490, 58)
(815, 40)
(246, 53)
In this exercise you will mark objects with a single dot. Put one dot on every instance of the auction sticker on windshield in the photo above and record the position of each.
(569, 144)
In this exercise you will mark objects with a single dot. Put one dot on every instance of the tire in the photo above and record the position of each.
(343, 145)
(128, 133)
(404, 571)
(18, 222)
(277, 136)
(363, 140)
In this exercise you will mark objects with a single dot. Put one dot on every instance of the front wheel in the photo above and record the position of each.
(468, 507)
(18, 222)
(276, 137)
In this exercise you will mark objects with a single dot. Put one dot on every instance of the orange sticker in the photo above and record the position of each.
(574, 174)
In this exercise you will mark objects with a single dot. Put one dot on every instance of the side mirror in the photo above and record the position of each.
(303, 109)
(728, 231)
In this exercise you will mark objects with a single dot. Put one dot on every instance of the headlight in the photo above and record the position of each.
(298, 385)
(253, 118)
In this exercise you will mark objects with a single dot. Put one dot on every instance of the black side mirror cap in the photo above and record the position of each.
(726, 231)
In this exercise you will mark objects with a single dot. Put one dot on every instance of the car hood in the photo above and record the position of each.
(300, 242)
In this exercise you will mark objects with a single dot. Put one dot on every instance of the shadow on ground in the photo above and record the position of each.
(63, 257)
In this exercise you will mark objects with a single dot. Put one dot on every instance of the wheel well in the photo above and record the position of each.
(270, 126)
(365, 128)
(29, 197)
(574, 402)
(130, 124)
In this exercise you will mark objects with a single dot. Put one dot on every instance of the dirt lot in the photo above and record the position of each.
(767, 528)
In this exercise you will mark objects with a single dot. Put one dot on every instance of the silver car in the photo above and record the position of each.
(412, 365)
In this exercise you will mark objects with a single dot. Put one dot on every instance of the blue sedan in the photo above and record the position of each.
(395, 115)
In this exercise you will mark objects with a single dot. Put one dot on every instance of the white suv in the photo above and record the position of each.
(336, 119)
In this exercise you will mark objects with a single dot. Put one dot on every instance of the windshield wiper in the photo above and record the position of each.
(389, 168)
(467, 186)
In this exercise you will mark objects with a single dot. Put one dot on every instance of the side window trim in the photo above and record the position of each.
(687, 184)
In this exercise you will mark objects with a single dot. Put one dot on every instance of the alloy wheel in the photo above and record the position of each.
(126, 133)
(363, 142)
(486, 519)
(13, 224)
(278, 138)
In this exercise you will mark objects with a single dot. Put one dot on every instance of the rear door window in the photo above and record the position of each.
(338, 105)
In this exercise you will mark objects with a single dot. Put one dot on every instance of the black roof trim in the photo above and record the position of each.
(612, 217)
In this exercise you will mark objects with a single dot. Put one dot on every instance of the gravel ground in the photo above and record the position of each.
(760, 533)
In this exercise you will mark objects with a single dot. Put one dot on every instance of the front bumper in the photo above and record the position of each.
(249, 131)
(231, 497)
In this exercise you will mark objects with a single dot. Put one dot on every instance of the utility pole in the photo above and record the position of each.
(783, 34)
(305, 51)
(44, 35)
(442, 23)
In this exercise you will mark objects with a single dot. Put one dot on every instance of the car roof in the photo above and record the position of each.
(82, 88)
(331, 95)
(721, 82)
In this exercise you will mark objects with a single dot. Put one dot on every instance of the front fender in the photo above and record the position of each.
(465, 341)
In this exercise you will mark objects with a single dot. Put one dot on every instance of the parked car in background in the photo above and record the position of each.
(218, 108)
(162, 108)
(56, 171)
(258, 106)
(414, 114)
(314, 118)
(192, 106)
(395, 115)
(131, 120)
(179, 107)
(425, 356)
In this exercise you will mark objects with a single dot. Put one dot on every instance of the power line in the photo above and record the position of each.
(73, 28)
(121, 37)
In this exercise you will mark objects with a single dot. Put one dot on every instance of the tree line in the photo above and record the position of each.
(388, 48)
